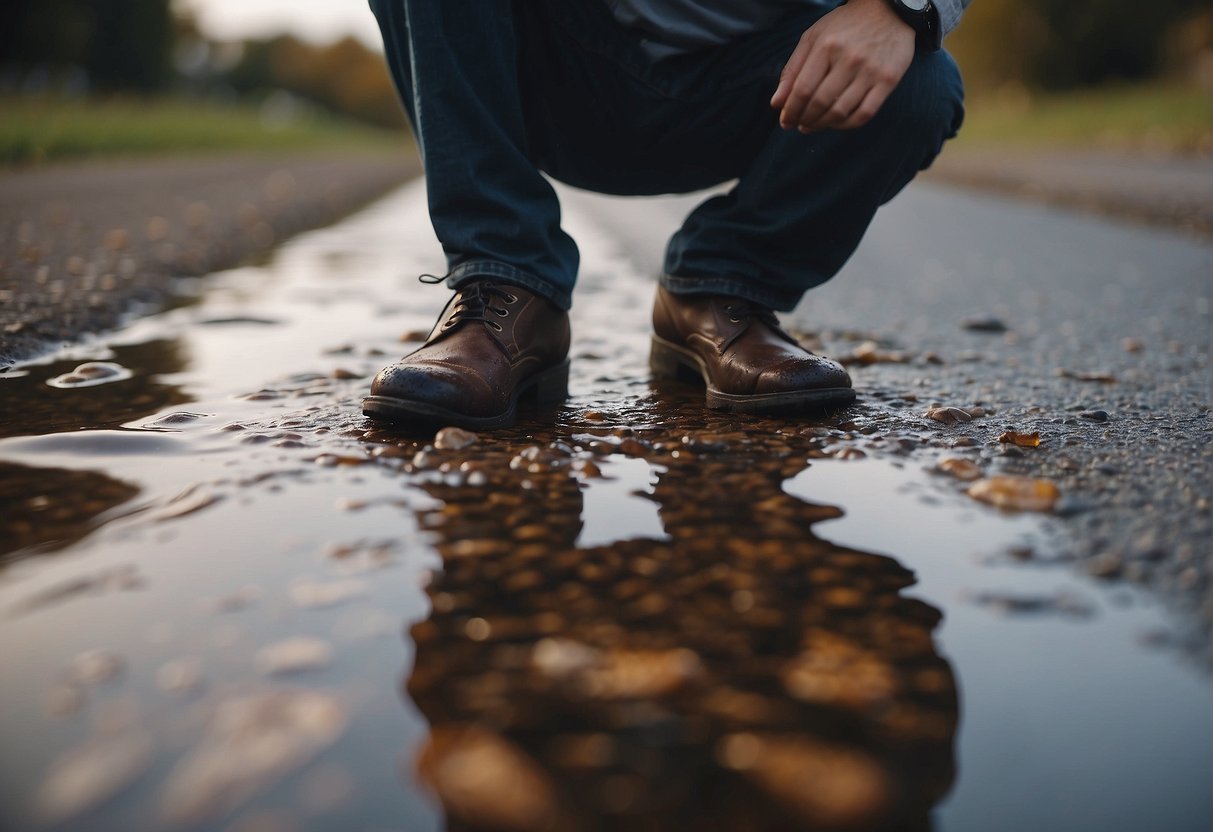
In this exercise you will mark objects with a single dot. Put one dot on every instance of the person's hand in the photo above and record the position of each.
(844, 68)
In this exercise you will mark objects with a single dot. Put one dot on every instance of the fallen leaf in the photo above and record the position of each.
(1016, 493)
(1022, 440)
(869, 352)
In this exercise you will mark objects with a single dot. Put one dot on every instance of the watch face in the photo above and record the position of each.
(916, 5)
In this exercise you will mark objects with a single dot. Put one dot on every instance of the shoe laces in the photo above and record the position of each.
(740, 310)
(479, 301)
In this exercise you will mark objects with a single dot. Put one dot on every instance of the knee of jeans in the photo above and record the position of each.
(928, 104)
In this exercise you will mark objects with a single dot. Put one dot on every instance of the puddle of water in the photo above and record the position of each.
(1058, 700)
(619, 506)
(647, 613)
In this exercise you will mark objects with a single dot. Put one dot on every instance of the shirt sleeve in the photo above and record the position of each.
(949, 13)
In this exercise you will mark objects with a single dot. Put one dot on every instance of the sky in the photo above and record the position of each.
(320, 21)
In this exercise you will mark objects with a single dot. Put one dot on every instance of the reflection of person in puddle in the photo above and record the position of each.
(821, 110)
(713, 681)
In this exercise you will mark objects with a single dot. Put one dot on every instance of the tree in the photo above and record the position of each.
(120, 44)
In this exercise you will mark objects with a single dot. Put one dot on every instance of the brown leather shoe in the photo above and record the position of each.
(743, 356)
(492, 344)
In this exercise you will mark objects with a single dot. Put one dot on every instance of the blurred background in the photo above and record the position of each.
(98, 77)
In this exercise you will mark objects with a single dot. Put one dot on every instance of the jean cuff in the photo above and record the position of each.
(470, 270)
(734, 287)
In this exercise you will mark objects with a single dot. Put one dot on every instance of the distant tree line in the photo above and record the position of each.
(1064, 44)
(138, 46)
(141, 47)
(118, 45)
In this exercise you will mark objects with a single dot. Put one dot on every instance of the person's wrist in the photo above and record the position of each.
(882, 8)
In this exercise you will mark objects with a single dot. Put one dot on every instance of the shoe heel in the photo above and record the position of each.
(666, 363)
(553, 385)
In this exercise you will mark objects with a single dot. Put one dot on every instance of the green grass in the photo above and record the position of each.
(39, 130)
(1168, 119)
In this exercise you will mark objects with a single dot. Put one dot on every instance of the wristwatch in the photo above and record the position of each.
(923, 18)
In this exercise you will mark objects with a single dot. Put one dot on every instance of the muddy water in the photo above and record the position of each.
(230, 602)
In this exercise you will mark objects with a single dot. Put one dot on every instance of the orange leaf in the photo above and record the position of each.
(1023, 440)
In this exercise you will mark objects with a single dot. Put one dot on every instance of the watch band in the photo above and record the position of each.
(924, 22)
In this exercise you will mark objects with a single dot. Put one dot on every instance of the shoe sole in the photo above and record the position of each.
(551, 385)
(670, 361)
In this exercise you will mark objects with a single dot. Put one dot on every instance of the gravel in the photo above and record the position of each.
(84, 246)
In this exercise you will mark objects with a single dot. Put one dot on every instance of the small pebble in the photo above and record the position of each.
(454, 439)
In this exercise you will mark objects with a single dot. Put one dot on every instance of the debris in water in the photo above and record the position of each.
(252, 742)
(294, 655)
(90, 374)
(1022, 440)
(1016, 493)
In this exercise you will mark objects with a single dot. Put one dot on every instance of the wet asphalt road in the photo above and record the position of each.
(84, 245)
(624, 591)
(1101, 342)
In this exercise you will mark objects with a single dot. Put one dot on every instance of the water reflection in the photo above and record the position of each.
(36, 408)
(47, 509)
(739, 674)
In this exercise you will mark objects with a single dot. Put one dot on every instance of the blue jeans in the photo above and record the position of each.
(498, 91)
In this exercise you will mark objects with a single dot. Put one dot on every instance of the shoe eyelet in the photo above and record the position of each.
(511, 298)
(734, 319)
(505, 313)
(494, 325)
